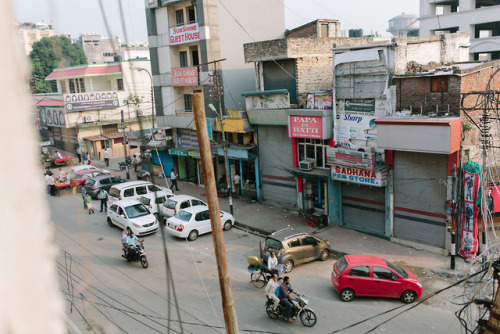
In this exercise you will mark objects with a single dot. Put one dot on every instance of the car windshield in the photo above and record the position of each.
(183, 215)
(145, 200)
(137, 210)
(398, 270)
(341, 264)
(170, 204)
(114, 192)
(273, 244)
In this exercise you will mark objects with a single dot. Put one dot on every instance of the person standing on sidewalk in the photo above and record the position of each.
(173, 178)
(237, 183)
(105, 154)
(136, 162)
(103, 196)
(79, 154)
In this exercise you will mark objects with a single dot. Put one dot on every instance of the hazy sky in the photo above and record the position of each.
(75, 17)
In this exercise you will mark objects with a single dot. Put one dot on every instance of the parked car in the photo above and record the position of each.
(155, 200)
(179, 202)
(95, 184)
(195, 220)
(78, 179)
(132, 213)
(372, 276)
(132, 190)
(84, 167)
(292, 248)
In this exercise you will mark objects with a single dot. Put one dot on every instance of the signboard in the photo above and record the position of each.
(194, 154)
(360, 105)
(306, 127)
(359, 176)
(468, 237)
(91, 101)
(181, 153)
(184, 34)
(185, 76)
(354, 126)
(209, 127)
(51, 116)
(349, 158)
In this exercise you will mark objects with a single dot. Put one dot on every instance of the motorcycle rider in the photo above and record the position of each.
(131, 243)
(284, 295)
(271, 287)
(125, 234)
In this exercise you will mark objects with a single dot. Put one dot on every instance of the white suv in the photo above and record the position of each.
(133, 190)
(176, 203)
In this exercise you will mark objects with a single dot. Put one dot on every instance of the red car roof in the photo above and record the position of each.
(365, 259)
(85, 171)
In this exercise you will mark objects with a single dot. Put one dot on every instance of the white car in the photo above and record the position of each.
(83, 167)
(176, 203)
(134, 214)
(193, 221)
(149, 200)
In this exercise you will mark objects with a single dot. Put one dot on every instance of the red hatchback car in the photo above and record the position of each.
(79, 178)
(372, 276)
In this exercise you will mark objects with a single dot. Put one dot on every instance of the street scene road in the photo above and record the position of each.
(115, 296)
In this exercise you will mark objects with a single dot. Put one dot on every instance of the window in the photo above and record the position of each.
(113, 207)
(313, 149)
(160, 200)
(191, 15)
(439, 84)
(63, 86)
(294, 243)
(153, 188)
(77, 85)
(179, 17)
(341, 264)
(184, 58)
(119, 83)
(188, 106)
(383, 273)
(309, 241)
(141, 190)
(194, 54)
(361, 271)
(195, 202)
(128, 192)
(185, 204)
(105, 181)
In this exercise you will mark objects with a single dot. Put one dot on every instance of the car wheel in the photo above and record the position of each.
(110, 223)
(288, 266)
(192, 235)
(227, 225)
(408, 296)
(347, 295)
(325, 254)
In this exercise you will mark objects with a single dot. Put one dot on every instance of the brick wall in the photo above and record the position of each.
(309, 31)
(313, 73)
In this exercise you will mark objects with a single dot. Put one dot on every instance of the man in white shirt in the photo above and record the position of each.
(58, 155)
(173, 178)
(62, 175)
(52, 185)
(237, 183)
(272, 263)
(271, 287)
(105, 154)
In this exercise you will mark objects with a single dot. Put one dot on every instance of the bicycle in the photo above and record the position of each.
(259, 275)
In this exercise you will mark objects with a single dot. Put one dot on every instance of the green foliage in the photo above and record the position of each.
(50, 53)
(133, 99)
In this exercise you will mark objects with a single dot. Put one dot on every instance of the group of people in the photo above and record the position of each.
(83, 157)
(51, 180)
(129, 243)
(102, 196)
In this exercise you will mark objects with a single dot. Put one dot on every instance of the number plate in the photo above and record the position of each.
(171, 225)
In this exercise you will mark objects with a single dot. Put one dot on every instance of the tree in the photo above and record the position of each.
(50, 53)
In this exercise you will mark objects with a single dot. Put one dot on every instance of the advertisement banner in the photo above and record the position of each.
(468, 237)
(359, 176)
(353, 126)
(349, 158)
(91, 101)
(184, 34)
(186, 76)
(306, 127)
(360, 105)
(51, 116)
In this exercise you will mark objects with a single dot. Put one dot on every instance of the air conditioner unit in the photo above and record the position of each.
(307, 164)
(87, 119)
(367, 149)
(140, 113)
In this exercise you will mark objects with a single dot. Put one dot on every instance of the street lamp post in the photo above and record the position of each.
(152, 93)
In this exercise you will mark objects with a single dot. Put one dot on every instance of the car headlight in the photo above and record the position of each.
(137, 225)
(419, 284)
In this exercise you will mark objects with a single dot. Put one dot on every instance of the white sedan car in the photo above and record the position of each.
(134, 214)
(195, 220)
(149, 200)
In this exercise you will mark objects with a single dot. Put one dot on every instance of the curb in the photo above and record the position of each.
(448, 274)
(250, 229)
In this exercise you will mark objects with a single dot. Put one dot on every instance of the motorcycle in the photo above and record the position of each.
(124, 164)
(299, 309)
(139, 255)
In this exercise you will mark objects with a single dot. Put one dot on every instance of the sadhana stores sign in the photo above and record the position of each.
(359, 176)
(184, 34)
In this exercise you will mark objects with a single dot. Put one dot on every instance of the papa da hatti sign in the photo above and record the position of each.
(359, 176)
(306, 127)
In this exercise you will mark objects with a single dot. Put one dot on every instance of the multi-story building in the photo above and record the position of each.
(30, 33)
(196, 45)
(95, 104)
(480, 18)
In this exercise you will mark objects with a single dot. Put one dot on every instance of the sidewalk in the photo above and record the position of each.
(263, 219)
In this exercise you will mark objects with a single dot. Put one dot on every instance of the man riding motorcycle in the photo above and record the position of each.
(131, 244)
(284, 295)
(271, 287)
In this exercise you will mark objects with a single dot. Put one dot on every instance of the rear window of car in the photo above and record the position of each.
(341, 264)
(160, 200)
(128, 192)
(183, 215)
(271, 243)
(170, 204)
(114, 192)
(90, 182)
(153, 188)
(141, 190)
(145, 200)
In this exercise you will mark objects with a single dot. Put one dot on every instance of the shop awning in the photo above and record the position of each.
(104, 137)
(315, 174)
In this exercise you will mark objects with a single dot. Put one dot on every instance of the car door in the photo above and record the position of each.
(121, 218)
(386, 283)
(112, 213)
(295, 251)
(309, 248)
(359, 280)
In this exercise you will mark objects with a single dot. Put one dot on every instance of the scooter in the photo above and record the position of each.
(138, 255)
(299, 309)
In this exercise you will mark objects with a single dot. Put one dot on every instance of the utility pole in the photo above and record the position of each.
(493, 325)
(125, 145)
(216, 92)
(228, 305)
(485, 139)
(454, 212)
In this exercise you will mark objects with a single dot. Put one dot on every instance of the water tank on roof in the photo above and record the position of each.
(404, 25)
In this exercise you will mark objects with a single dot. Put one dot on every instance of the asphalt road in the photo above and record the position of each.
(109, 295)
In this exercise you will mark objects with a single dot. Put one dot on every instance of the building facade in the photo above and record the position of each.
(30, 33)
(479, 18)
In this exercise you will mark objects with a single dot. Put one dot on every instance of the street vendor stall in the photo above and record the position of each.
(64, 161)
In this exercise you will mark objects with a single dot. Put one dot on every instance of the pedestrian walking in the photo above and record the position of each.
(173, 178)
(237, 184)
(84, 193)
(88, 201)
(103, 196)
(79, 154)
(105, 154)
(136, 162)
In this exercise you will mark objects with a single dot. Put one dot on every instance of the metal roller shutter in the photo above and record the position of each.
(419, 197)
(363, 208)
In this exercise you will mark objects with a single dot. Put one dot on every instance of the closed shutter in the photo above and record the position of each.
(275, 155)
(419, 197)
(363, 208)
